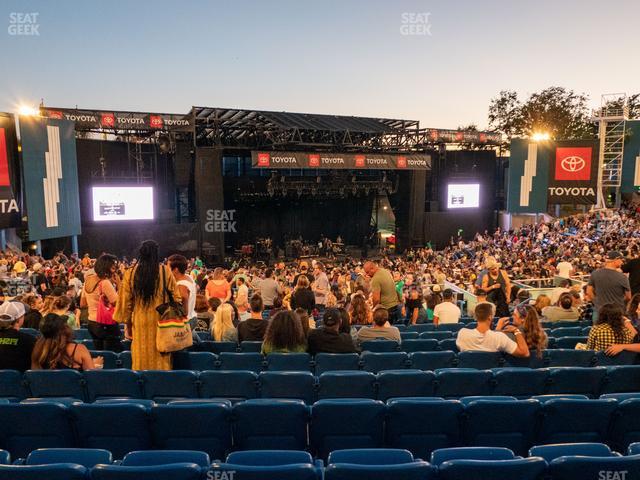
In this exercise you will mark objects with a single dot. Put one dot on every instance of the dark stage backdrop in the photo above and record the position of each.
(288, 218)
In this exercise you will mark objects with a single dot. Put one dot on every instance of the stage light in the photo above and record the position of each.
(27, 110)
(540, 136)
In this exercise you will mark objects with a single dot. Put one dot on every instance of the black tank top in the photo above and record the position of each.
(63, 366)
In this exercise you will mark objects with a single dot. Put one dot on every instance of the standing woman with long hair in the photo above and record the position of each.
(142, 290)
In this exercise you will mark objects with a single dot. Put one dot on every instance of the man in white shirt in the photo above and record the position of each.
(242, 295)
(447, 311)
(564, 269)
(483, 339)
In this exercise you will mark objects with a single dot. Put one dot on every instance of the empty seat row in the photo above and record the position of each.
(164, 386)
(418, 425)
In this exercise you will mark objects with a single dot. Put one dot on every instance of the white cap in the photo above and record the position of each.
(11, 311)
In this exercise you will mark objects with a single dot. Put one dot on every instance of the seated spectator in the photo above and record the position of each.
(525, 318)
(223, 329)
(328, 339)
(359, 311)
(33, 318)
(447, 311)
(565, 311)
(284, 334)
(277, 306)
(612, 328)
(61, 306)
(481, 298)
(15, 346)
(633, 310)
(255, 327)
(204, 318)
(541, 302)
(379, 329)
(416, 313)
(56, 350)
(483, 339)
(306, 321)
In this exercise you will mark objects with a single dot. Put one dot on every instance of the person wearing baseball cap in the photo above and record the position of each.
(15, 346)
(328, 338)
(608, 284)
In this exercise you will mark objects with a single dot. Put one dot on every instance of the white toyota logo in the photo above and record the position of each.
(573, 164)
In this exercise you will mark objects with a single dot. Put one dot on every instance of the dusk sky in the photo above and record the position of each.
(349, 57)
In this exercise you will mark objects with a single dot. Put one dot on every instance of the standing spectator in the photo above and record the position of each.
(15, 346)
(608, 284)
(328, 339)
(255, 327)
(269, 289)
(632, 267)
(284, 334)
(187, 287)
(101, 286)
(56, 350)
(416, 313)
(223, 329)
(39, 279)
(302, 296)
(242, 293)
(320, 287)
(33, 318)
(380, 328)
(143, 289)
(612, 328)
(447, 311)
(498, 286)
(564, 269)
(218, 287)
(383, 290)
(483, 339)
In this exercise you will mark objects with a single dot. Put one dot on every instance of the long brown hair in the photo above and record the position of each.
(360, 311)
(50, 349)
(613, 315)
(534, 335)
(285, 331)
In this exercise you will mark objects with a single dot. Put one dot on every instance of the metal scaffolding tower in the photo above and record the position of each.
(611, 117)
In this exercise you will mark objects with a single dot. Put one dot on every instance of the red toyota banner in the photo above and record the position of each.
(277, 159)
(9, 177)
(573, 176)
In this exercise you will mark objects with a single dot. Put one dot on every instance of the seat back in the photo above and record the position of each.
(293, 385)
(87, 457)
(380, 346)
(253, 362)
(551, 452)
(147, 458)
(375, 362)
(174, 471)
(570, 358)
(289, 362)
(217, 347)
(113, 383)
(233, 385)
(419, 345)
(347, 384)
(326, 362)
(163, 386)
(480, 360)
(196, 361)
(417, 470)
(579, 380)
(371, 456)
(625, 425)
(60, 471)
(250, 347)
(520, 382)
(405, 383)
(56, 383)
(578, 467)
(269, 457)
(620, 379)
(432, 360)
(523, 469)
(569, 421)
(470, 453)
(463, 382)
(11, 386)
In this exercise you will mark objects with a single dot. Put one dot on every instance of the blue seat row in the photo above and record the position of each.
(69, 386)
(419, 425)
(420, 354)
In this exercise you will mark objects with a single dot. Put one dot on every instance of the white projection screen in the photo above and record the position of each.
(113, 204)
(463, 195)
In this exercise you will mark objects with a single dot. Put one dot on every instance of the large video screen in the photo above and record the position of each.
(113, 204)
(465, 195)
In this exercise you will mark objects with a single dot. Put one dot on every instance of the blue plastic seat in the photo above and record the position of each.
(204, 336)
(327, 362)
(233, 385)
(533, 361)
(202, 427)
(623, 358)
(570, 358)
(266, 458)
(621, 397)
(5, 457)
(444, 335)
(56, 383)
(419, 345)
(422, 425)
(111, 360)
(409, 335)
(217, 347)
(82, 334)
(376, 361)
(493, 398)
(31, 331)
(347, 384)
(625, 425)
(380, 346)
(450, 327)
(289, 362)
(569, 342)
(405, 383)
(510, 424)
(569, 421)
(88, 343)
(634, 449)
(432, 360)
(163, 386)
(119, 428)
(251, 347)
(610, 468)
(480, 360)
(547, 398)
(174, 471)
(296, 471)
(60, 471)
(522, 469)
(147, 458)
(463, 382)
(64, 401)
(330, 431)
(520, 382)
(28, 427)
(560, 332)
(253, 362)
(421, 327)
(416, 470)
(11, 386)
(87, 457)
(448, 344)
(196, 361)
(113, 383)
(143, 402)
(124, 358)
(371, 456)
(270, 424)
(470, 453)
(620, 379)
(551, 452)
(293, 385)
(584, 381)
